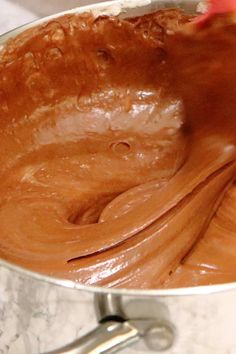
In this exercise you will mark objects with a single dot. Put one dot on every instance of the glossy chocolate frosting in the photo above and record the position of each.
(117, 157)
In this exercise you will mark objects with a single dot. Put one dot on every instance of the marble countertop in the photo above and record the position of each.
(14, 13)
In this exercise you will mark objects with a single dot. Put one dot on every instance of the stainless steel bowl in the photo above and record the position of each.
(39, 314)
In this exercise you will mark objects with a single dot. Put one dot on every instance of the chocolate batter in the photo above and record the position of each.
(115, 169)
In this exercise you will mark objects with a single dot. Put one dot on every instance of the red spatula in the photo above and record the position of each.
(217, 7)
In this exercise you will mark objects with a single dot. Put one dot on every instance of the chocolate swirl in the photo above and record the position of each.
(105, 180)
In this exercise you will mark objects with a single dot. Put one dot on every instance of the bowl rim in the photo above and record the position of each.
(70, 284)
